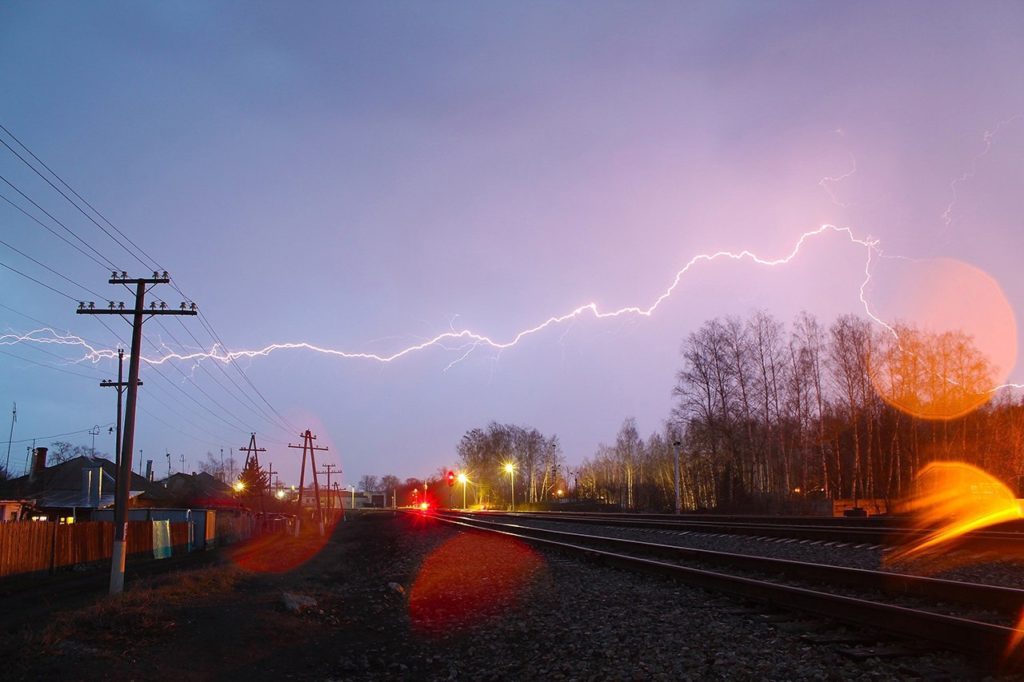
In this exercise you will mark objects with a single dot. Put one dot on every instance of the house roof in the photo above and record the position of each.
(61, 485)
(200, 489)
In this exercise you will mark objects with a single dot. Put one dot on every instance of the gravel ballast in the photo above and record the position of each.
(406, 597)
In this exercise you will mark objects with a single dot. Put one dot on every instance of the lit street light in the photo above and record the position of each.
(510, 468)
(463, 480)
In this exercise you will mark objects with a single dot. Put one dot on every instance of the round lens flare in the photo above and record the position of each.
(956, 337)
(272, 553)
(468, 579)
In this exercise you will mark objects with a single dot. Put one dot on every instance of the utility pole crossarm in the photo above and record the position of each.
(139, 313)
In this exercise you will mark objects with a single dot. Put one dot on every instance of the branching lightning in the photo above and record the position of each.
(987, 138)
(467, 340)
(827, 182)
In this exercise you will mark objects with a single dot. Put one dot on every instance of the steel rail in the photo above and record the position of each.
(996, 597)
(827, 532)
(961, 634)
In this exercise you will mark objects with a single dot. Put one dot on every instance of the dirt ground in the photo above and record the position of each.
(230, 621)
(402, 597)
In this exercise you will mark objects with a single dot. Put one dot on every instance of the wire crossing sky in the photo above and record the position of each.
(445, 184)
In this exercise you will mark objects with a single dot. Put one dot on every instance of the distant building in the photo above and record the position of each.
(200, 490)
(335, 499)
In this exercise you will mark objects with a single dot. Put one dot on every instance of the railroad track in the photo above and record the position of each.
(856, 596)
(860, 531)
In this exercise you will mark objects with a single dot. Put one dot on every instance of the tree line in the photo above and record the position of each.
(770, 416)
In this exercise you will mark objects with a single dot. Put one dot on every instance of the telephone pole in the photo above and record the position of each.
(307, 445)
(120, 385)
(270, 477)
(10, 439)
(330, 502)
(139, 315)
(253, 452)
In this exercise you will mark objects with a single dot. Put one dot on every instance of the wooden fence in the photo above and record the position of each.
(34, 546)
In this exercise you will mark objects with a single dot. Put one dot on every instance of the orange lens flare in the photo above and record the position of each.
(279, 553)
(468, 579)
(951, 500)
(1013, 649)
(957, 337)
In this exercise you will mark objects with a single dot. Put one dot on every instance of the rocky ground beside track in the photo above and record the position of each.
(404, 597)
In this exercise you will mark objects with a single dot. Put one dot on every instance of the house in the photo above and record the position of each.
(200, 490)
(72, 490)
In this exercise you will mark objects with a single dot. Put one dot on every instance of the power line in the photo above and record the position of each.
(61, 192)
(178, 388)
(58, 435)
(43, 364)
(42, 284)
(49, 269)
(203, 320)
(52, 231)
(259, 410)
(110, 263)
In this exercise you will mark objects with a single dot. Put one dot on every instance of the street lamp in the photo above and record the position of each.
(510, 468)
(463, 479)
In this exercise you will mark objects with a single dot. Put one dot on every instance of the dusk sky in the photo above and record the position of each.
(366, 176)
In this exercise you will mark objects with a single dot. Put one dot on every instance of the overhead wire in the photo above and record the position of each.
(203, 319)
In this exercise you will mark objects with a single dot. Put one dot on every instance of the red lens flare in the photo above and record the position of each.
(955, 337)
(468, 579)
(281, 553)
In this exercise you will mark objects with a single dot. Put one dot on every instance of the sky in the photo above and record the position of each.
(365, 176)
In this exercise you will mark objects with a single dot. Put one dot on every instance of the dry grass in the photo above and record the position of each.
(147, 610)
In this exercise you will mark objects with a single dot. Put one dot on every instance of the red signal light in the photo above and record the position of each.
(451, 478)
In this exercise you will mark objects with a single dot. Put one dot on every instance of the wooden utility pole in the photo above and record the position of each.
(120, 385)
(307, 446)
(10, 439)
(270, 475)
(330, 467)
(139, 315)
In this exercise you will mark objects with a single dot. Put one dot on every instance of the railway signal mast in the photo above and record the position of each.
(139, 315)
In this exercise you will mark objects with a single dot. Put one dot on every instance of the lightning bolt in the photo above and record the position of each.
(827, 182)
(467, 340)
(987, 138)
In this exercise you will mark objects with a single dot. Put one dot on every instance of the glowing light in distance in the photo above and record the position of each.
(239, 486)
(509, 467)
(463, 478)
